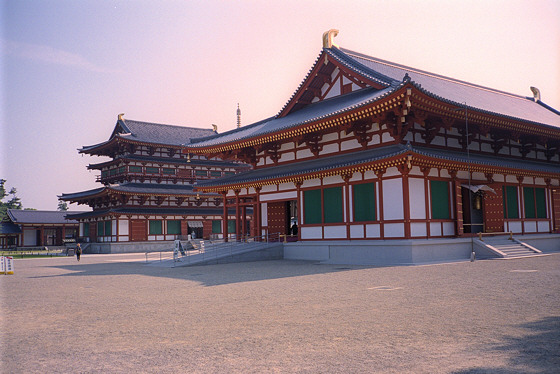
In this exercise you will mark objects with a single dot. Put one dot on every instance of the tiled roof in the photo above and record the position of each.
(313, 112)
(377, 154)
(136, 188)
(309, 167)
(156, 133)
(7, 228)
(19, 216)
(156, 211)
(452, 90)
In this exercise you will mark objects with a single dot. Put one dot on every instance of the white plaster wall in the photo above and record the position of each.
(356, 231)
(511, 179)
(123, 238)
(330, 137)
(311, 183)
(486, 147)
(392, 199)
(451, 142)
(335, 179)
(349, 144)
(448, 228)
(418, 229)
(417, 198)
(373, 231)
(543, 226)
(268, 188)
(540, 181)
(392, 172)
(356, 177)
(438, 140)
(287, 157)
(514, 226)
(335, 232)
(291, 195)
(415, 171)
(312, 232)
(369, 174)
(498, 178)
(435, 229)
(29, 237)
(530, 226)
(264, 214)
(386, 137)
(123, 227)
(286, 186)
(304, 153)
(329, 148)
(394, 230)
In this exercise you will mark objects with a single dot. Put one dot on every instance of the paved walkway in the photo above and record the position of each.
(114, 314)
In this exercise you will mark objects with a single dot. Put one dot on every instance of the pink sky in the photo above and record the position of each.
(69, 67)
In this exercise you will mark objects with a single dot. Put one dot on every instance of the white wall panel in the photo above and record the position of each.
(373, 231)
(335, 179)
(311, 232)
(530, 226)
(29, 237)
(394, 230)
(329, 148)
(392, 199)
(335, 232)
(448, 228)
(418, 229)
(349, 144)
(356, 231)
(543, 226)
(417, 198)
(435, 229)
(291, 195)
(264, 214)
(123, 227)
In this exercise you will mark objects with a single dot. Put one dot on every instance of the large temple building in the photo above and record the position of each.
(147, 194)
(368, 161)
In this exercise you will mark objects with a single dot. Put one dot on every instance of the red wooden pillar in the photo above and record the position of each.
(225, 220)
(243, 221)
(520, 179)
(346, 178)
(379, 174)
(405, 169)
(237, 231)
(257, 213)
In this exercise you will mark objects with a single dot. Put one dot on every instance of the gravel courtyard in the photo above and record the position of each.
(115, 314)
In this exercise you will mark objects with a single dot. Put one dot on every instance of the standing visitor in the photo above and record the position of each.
(78, 251)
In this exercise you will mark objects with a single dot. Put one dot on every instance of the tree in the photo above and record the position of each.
(62, 206)
(13, 201)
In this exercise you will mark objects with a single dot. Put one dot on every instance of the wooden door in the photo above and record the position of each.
(494, 210)
(556, 210)
(138, 230)
(277, 218)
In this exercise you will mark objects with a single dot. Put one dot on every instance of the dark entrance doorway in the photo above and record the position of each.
(283, 219)
(473, 215)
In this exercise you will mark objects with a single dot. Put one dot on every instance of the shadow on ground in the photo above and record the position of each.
(537, 351)
(208, 275)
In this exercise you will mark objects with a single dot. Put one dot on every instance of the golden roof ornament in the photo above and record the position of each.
(328, 37)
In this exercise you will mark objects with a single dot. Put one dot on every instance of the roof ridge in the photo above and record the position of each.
(430, 74)
(166, 124)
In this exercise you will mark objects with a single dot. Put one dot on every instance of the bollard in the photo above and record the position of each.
(2, 265)
(9, 265)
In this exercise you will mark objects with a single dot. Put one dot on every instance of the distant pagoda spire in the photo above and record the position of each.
(238, 116)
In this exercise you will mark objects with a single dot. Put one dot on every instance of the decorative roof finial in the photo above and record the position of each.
(238, 116)
(215, 127)
(406, 78)
(120, 116)
(536, 93)
(328, 37)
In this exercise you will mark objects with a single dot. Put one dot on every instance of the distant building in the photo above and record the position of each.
(147, 193)
(36, 228)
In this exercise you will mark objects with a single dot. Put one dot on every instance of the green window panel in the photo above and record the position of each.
(108, 228)
(135, 169)
(174, 227)
(332, 209)
(216, 226)
(364, 202)
(511, 205)
(113, 172)
(540, 200)
(86, 229)
(312, 206)
(100, 228)
(231, 226)
(155, 227)
(168, 171)
(201, 173)
(152, 170)
(439, 194)
(529, 202)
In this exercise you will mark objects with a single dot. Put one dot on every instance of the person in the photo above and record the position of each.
(78, 251)
(294, 229)
(193, 235)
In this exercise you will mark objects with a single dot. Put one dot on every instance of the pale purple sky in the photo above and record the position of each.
(70, 67)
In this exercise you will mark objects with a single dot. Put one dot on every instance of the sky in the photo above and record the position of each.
(68, 68)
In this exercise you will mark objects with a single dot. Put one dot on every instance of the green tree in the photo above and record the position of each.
(62, 206)
(12, 202)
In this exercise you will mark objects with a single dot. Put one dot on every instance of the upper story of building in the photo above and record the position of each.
(143, 152)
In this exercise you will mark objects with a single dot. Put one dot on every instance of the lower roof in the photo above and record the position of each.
(379, 154)
(154, 211)
(19, 216)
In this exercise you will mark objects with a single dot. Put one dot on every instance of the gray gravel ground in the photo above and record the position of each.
(114, 314)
